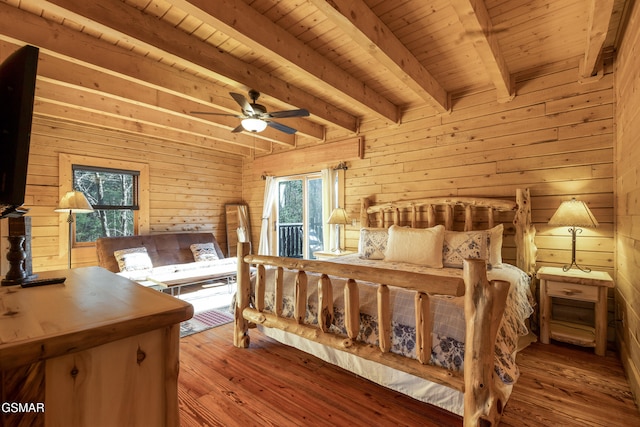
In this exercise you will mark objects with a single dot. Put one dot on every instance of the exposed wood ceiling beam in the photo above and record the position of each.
(116, 19)
(476, 21)
(600, 12)
(363, 26)
(242, 22)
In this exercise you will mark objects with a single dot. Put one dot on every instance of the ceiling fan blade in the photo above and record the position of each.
(242, 101)
(281, 127)
(289, 113)
(237, 129)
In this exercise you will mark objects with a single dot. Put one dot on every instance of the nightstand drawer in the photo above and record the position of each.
(572, 291)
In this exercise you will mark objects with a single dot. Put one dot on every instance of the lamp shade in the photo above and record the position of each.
(254, 125)
(339, 216)
(74, 202)
(573, 213)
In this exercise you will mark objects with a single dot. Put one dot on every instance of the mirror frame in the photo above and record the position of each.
(238, 226)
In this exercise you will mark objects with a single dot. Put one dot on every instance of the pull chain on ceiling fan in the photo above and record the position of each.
(255, 117)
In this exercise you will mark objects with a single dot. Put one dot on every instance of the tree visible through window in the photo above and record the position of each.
(113, 194)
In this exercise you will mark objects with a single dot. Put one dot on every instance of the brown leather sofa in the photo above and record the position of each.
(163, 249)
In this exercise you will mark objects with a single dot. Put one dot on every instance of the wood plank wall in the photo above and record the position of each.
(188, 185)
(556, 137)
(627, 87)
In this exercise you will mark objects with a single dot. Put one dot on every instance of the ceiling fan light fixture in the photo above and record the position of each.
(254, 125)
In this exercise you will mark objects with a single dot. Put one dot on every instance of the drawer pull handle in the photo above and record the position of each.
(568, 291)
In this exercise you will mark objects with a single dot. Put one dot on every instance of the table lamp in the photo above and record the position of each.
(73, 202)
(338, 217)
(574, 213)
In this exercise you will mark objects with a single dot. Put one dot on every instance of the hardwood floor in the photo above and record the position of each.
(279, 386)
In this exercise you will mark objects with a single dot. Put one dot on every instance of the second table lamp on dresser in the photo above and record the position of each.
(576, 215)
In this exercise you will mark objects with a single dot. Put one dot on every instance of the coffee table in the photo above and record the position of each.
(215, 276)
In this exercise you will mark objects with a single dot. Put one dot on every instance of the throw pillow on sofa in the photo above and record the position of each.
(133, 259)
(204, 252)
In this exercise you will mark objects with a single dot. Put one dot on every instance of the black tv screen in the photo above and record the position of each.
(17, 90)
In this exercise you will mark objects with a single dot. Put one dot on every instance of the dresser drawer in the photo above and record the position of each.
(572, 291)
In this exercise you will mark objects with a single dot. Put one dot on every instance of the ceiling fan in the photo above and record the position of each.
(255, 117)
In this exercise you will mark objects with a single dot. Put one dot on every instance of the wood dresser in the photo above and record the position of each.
(97, 350)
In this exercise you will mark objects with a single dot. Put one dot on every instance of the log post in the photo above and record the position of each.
(431, 215)
(351, 309)
(241, 326)
(260, 288)
(364, 216)
(490, 218)
(384, 319)
(483, 307)
(414, 216)
(278, 292)
(448, 217)
(468, 218)
(300, 308)
(423, 327)
(325, 303)
(525, 233)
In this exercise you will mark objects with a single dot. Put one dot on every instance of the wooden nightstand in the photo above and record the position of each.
(576, 285)
(325, 255)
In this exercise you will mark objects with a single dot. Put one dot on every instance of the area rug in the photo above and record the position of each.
(204, 320)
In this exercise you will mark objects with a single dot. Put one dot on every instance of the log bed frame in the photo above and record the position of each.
(484, 300)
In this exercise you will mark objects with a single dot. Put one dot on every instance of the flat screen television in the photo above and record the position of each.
(17, 90)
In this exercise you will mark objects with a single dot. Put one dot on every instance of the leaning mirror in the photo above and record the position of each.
(238, 227)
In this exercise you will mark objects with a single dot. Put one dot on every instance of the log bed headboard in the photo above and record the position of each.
(478, 213)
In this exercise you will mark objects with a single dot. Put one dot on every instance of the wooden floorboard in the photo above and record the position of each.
(270, 384)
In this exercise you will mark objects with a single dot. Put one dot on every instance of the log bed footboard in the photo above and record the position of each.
(484, 306)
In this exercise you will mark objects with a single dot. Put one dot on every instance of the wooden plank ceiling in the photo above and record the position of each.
(144, 66)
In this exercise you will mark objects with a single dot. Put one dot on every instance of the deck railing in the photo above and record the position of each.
(291, 239)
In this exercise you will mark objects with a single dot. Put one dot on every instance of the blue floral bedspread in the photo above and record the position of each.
(448, 314)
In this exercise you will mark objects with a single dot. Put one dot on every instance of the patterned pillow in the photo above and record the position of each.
(204, 252)
(133, 259)
(459, 245)
(373, 243)
(422, 246)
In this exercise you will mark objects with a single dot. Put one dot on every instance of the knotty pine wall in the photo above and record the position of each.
(627, 85)
(188, 185)
(556, 138)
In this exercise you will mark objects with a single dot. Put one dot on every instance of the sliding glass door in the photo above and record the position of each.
(299, 222)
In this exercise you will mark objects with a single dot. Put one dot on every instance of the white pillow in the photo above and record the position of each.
(421, 246)
(461, 245)
(373, 243)
(204, 252)
(133, 259)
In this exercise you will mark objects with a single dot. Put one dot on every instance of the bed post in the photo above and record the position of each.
(525, 233)
(484, 303)
(241, 327)
(364, 216)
